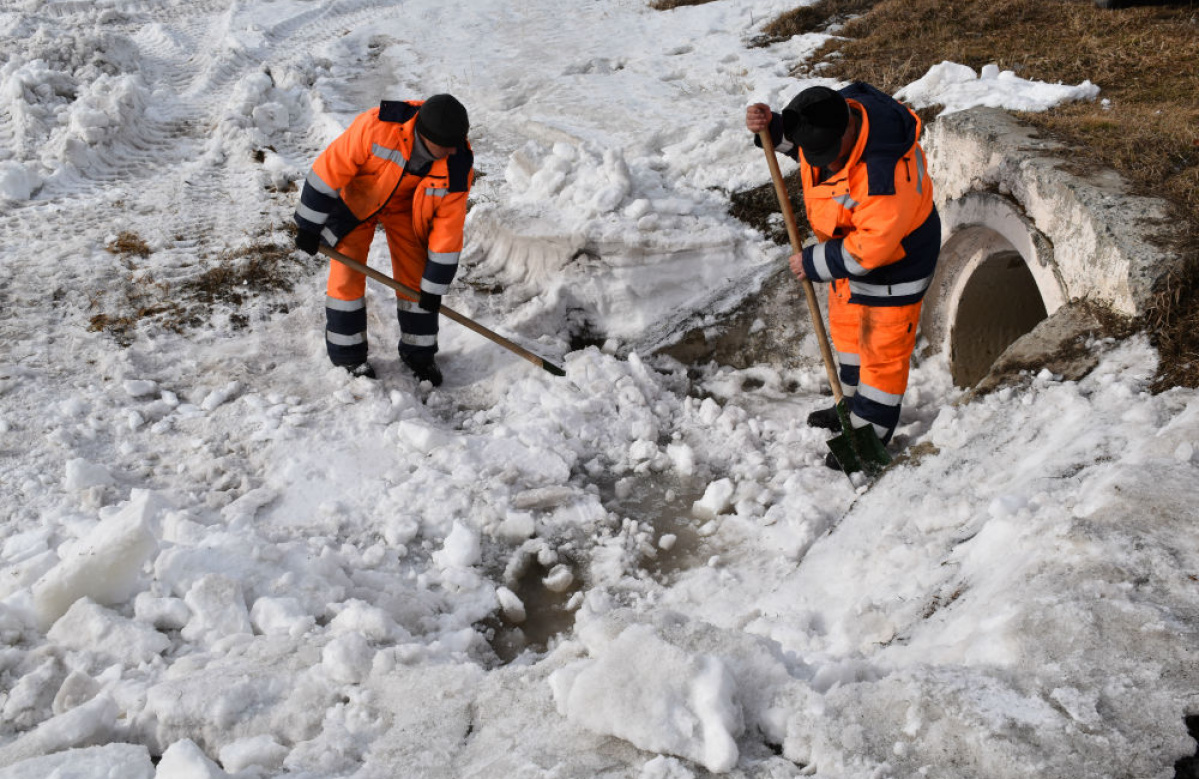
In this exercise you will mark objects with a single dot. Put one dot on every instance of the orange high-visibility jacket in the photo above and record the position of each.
(875, 219)
(357, 174)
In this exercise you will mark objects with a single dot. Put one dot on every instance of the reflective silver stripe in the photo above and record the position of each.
(851, 263)
(329, 236)
(856, 421)
(409, 306)
(878, 396)
(847, 201)
(317, 183)
(344, 305)
(435, 289)
(316, 217)
(436, 191)
(784, 146)
(821, 262)
(890, 290)
(848, 390)
(849, 358)
(345, 340)
(395, 155)
(920, 171)
(444, 258)
(418, 340)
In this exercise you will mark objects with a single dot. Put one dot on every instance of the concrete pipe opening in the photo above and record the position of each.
(999, 303)
(996, 280)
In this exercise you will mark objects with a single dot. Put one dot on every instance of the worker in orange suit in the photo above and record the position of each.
(408, 167)
(869, 201)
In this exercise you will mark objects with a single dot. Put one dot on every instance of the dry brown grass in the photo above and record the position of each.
(128, 244)
(812, 18)
(231, 280)
(1145, 59)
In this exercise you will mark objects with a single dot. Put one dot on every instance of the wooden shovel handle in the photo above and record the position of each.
(490, 335)
(780, 189)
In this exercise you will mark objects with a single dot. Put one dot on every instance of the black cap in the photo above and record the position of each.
(442, 120)
(815, 120)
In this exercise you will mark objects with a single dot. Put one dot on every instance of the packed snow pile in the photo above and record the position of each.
(958, 87)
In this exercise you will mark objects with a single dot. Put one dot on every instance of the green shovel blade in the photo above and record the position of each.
(858, 448)
(842, 449)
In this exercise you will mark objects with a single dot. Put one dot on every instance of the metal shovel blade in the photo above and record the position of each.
(858, 448)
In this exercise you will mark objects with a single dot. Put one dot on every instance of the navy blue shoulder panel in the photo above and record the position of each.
(396, 111)
(459, 164)
(892, 134)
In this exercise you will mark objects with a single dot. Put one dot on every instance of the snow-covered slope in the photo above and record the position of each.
(220, 551)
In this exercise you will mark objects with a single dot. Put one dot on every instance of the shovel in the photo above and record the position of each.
(856, 449)
(383, 278)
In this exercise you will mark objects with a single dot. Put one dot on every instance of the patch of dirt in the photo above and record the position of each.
(767, 329)
(759, 208)
(666, 5)
(230, 282)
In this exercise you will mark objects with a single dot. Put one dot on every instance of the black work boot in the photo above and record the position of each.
(424, 366)
(362, 369)
(826, 418)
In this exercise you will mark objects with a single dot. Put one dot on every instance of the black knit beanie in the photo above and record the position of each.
(442, 120)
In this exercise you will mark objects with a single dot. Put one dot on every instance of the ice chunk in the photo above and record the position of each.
(716, 499)
(348, 658)
(218, 609)
(462, 548)
(254, 752)
(90, 627)
(82, 474)
(656, 696)
(105, 565)
(140, 388)
(511, 605)
(184, 760)
(86, 724)
(281, 617)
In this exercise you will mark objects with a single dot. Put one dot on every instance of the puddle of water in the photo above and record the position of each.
(664, 503)
(659, 502)
(547, 614)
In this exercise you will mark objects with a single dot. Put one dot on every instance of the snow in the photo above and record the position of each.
(221, 552)
(958, 87)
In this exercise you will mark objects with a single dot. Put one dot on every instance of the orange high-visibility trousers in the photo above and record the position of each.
(345, 301)
(408, 253)
(874, 347)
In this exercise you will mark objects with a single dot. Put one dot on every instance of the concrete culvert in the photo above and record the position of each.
(1033, 252)
(999, 303)
(996, 281)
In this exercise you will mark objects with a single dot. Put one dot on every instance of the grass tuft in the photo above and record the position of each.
(128, 244)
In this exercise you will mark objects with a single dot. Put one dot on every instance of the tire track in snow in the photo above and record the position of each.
(173, 158)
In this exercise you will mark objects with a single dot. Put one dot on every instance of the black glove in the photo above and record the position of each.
(307, 242)
(430, 302)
